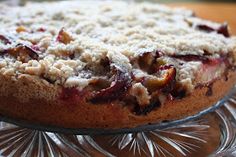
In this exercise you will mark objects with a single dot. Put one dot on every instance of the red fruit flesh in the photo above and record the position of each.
(164, 82)
(64, 37)
(205, 28)
(72, 95)
(190, 57)
(222, 29)
(117, 89)
(22, 52)
(169, 78)
(41, 30)
(211, 71)
(35, 47)
(147, 61)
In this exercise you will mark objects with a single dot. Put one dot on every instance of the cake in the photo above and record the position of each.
(110, 64)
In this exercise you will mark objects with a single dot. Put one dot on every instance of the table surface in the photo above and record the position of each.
(219, 12)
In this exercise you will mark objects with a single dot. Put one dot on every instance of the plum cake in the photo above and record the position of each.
(110, 64)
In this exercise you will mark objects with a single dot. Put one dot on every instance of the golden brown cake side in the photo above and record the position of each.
(39, 110)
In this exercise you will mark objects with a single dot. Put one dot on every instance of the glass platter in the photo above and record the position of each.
(209, 133)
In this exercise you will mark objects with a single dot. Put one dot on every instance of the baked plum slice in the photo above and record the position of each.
(22, 52)
(222, 29)
(118, 88)
(208, 73)
(164, 79)
(72, 95)
(191, 57)
(63, 37)
(147, 61)
(211, 70)
(41, 29)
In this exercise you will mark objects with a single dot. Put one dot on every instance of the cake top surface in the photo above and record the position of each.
(66, 42)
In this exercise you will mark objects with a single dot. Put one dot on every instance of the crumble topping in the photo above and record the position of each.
(77, 44)
(141, 94)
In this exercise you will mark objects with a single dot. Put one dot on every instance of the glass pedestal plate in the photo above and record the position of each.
(211, 134)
